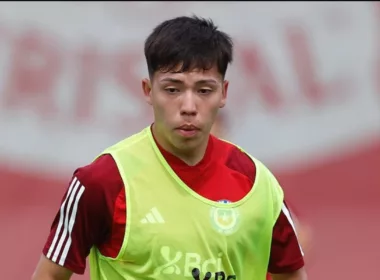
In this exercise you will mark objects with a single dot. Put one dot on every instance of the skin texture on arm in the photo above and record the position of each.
(297, 275)
(48, 270)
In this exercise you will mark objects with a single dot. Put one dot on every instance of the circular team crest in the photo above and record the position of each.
(224, 220)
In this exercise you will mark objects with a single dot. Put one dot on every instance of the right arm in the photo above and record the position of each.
(83, 221)
(48, 270)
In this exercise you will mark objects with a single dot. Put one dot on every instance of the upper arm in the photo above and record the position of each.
(83, 220)
(48, 270)
(299, 274)
(286, 252)
(75, 229)
(286, 255)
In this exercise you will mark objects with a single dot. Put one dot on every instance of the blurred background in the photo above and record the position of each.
(304, 98)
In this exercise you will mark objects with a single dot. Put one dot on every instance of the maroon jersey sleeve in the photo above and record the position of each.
(286, 252)
(84, 218)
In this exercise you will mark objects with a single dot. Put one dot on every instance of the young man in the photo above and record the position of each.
(172, 201)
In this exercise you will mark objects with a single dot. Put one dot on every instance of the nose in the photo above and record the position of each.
(188, 105)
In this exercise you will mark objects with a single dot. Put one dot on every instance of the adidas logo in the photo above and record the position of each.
(153, 217)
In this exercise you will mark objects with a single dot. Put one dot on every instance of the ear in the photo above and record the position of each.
(224, 94)
(147, 90)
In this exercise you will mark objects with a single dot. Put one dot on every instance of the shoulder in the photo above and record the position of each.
(89, 203)
(100, 177)
(235, 158)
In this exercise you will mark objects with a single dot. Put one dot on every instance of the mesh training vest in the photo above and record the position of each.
(172, 232)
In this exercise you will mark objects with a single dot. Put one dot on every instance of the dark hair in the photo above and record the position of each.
(188, 43)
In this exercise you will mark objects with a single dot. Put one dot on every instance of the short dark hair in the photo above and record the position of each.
(188, 42)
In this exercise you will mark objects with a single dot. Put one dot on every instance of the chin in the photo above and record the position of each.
(187, 143)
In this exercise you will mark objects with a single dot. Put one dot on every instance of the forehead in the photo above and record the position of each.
(191, 76)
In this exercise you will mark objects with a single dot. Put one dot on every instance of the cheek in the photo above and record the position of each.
(215, 106)
(157, 108)
(209, 113)
(163, 110)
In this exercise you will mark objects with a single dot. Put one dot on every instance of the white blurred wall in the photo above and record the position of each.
(303, 82)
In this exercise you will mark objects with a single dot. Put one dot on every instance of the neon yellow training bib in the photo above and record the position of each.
(172, 232)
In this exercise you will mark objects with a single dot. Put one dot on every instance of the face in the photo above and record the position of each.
(185, 105)
(218, 128)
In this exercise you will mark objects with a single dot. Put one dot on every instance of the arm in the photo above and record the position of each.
(296, 275)
(48, 270)
(304, 234)
(81, 222)
(286, 259)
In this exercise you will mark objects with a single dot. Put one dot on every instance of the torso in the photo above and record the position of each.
(225, 173)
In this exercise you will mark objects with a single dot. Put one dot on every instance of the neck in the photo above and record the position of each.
(190, 156)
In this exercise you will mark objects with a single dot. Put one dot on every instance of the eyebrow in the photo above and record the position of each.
(176, 81)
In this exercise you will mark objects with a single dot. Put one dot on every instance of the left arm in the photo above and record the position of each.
(297, 275)
(286, 258)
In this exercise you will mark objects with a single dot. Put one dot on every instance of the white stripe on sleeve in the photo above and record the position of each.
(71, 225)
(67, 218)
(286, 212)
(61, 218)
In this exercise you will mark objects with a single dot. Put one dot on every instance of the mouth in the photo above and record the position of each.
(187, 130)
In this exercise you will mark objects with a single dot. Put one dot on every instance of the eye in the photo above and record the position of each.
(171, 90)
(205, 91)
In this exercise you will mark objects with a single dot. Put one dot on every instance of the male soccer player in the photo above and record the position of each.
(173, 201)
